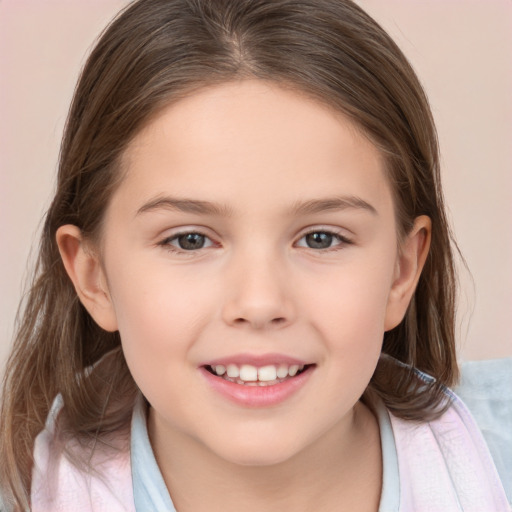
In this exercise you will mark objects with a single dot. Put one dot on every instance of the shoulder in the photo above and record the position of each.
(485, 381)
(488, 377)
(446, 464)
(72, 475)
(486, 389)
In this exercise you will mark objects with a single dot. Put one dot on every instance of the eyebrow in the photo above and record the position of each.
(186, 206)
(299, 208)
(333, 203)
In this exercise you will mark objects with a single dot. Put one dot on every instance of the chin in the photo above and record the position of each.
(257, 452)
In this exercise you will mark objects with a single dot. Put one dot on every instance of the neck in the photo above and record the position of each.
(342, 470)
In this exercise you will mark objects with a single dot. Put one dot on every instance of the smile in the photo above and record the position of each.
(249, 375)
(257, 382)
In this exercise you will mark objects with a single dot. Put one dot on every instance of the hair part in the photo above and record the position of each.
(154, 53)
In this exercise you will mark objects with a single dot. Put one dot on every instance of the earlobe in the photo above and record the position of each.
(86, 273)
(410, 262)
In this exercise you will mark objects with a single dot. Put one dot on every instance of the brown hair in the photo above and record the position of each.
(153, 53)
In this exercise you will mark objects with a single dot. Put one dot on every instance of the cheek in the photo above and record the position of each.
(354, 300)
(350, 316)
(159, 316)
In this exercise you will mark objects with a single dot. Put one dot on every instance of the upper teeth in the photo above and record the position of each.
(249, 373)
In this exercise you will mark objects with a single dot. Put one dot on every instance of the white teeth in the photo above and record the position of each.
(219, 369)
(251, 375)
(292, 371)
(282, 371)
(248, 373)
(233, 371)
(266, 373)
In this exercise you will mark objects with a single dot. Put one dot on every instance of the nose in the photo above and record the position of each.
(258, 294)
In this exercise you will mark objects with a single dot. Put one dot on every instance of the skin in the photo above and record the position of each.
(256, 287)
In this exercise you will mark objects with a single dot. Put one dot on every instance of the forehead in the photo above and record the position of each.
(252, 144)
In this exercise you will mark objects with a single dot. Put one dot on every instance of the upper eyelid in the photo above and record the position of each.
(321, 229)
(180, 231)
(341, 232)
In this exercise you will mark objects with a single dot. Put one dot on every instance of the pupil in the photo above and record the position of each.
(191, 241)
(319, 240)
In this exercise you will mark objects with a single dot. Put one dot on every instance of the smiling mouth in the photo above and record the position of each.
(248, 375)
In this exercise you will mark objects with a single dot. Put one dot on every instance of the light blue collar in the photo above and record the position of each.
(149, 489)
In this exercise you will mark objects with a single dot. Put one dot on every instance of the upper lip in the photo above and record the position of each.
(257, 360)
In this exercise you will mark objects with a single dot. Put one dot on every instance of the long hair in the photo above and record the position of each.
(154, 53)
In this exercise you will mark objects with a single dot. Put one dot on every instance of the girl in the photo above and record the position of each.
(245, 289)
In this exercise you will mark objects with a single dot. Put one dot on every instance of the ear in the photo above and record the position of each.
(85, 271)
(410, 261)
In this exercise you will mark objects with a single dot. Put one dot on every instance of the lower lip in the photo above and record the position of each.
(257, 396)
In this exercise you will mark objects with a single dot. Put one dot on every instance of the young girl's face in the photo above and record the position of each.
(254, 230)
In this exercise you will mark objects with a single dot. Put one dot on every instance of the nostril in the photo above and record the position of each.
(256, 322)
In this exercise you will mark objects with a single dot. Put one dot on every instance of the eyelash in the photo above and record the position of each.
(342, 241)
(166, 242)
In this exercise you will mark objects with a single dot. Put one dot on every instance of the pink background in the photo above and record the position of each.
(461, 49)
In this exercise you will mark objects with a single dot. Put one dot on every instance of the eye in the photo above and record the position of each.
(191, 241)
(322, 240)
